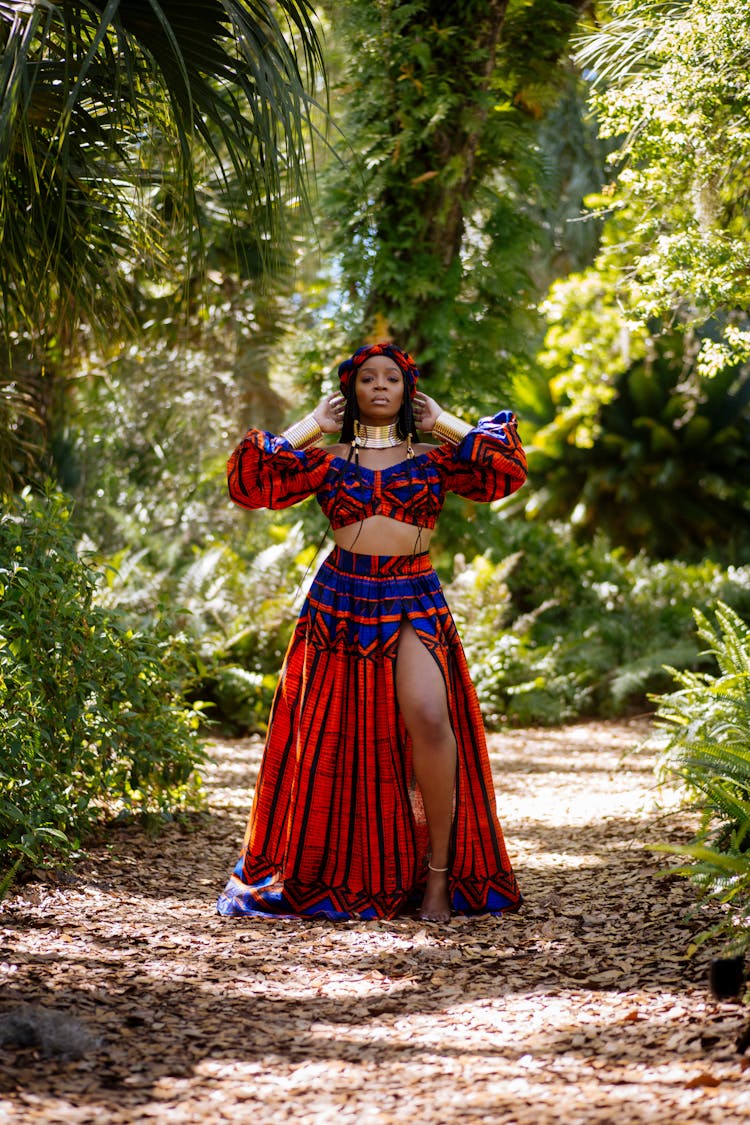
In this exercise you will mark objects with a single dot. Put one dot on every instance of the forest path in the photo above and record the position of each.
(582, 1008)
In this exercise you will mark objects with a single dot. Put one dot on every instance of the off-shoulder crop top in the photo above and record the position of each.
(266, 472)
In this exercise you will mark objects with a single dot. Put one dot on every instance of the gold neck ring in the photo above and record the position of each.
(377, 437)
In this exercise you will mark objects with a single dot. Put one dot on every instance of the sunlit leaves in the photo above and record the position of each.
(589, 331)
(91, 711)
(109, 114)
(706, 725)
(559, 629)
(444, 106)
(684, 121)
(672, 95)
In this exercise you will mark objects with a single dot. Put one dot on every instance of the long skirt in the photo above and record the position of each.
(337, 827)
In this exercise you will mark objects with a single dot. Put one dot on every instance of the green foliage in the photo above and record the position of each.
(451, 192)
(706, 742)
(673, 90)
(91, 714)
(559, 630)
(641, 447)
(243, 699)
(146, 461)
(554, 629)
(235, 608)
(143, 450)
(110, 113)
(139, 175)
(641, 391)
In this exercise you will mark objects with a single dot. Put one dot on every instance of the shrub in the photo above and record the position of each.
(641, 445)
(705, 740)
(235, 610)
(558, 630)
(554, 630)
(91, 714)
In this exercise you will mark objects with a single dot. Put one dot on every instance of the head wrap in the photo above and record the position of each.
(348, 369)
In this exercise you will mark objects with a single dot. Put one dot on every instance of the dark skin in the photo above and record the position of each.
(419, 683)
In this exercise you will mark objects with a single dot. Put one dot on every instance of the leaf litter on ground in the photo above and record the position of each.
(584, 1007)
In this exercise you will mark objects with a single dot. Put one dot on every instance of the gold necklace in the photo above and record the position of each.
(377, 437)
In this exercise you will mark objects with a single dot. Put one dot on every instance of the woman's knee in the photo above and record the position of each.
(421, 689)
(429, 720)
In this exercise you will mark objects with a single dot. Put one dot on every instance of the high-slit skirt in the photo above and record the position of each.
(337, 827)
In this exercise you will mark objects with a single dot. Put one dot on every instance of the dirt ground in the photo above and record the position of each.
(582, 1008)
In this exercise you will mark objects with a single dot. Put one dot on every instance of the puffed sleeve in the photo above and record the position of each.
(488, 463)
(266, 472)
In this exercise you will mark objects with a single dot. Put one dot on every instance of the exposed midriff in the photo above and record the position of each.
(380, 535)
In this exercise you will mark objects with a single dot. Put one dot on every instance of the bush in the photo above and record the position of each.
(236, 610)
(705, 740)
(558, 631)
(91, 714)
(554, 631)
(641, 445)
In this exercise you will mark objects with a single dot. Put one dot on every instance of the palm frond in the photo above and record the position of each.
(620, 46)
(105, 106)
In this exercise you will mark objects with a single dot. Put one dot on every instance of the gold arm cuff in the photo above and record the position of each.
(451, 428)
(304, 433)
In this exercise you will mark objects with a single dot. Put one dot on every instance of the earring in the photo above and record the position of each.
(409, 449)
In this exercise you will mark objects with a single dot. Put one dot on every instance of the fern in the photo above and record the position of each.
(632, 677)
(707, 727)
(730, 645)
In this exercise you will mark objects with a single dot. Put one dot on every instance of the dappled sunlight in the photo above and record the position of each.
(204, 208)
(546, 1015)
(557, 860)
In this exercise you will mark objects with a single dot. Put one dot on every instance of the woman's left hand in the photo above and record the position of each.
(426, 411)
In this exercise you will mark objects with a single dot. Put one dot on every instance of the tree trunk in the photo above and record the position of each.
(440, 91)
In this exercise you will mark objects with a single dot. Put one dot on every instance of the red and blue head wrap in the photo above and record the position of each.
(348, 369)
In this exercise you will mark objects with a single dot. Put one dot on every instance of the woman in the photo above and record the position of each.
(375, 787)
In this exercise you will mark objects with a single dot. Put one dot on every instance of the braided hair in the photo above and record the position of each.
(404, 422)
(406, 428)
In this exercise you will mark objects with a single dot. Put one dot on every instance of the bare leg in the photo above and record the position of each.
(424, 705)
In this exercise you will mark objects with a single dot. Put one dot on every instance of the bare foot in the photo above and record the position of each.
(436, 906)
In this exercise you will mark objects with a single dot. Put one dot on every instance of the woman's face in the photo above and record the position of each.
(380, 390)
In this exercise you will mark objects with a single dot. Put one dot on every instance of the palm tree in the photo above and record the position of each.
(111, 113)
(617, 44)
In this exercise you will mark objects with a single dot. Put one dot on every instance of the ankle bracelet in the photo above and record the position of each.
(437, 868)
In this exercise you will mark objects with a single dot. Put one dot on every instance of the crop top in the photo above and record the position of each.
(265, 471)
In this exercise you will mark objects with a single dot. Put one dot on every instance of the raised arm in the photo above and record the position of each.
(483, 462)
(275, 471)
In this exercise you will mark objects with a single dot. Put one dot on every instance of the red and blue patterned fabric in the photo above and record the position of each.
(266, 472)
(337, 828)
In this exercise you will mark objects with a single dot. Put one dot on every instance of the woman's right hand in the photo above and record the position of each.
(329, 414)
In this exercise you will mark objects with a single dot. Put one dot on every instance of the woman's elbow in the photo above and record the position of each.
(242, 494)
